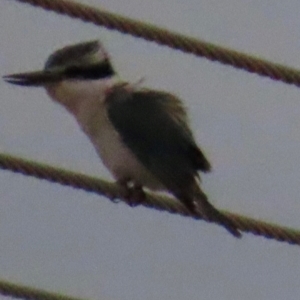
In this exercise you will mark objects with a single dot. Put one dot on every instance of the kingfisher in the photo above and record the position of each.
(142, 135)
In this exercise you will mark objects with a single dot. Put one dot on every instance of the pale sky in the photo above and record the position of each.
(80, 244)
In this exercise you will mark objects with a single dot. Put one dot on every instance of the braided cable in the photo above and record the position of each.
(29, 293)
(171, 39)
(159, 202)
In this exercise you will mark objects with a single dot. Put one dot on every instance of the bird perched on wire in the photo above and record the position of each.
(141, 135)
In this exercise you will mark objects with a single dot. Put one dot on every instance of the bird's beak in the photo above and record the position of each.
(37, 78)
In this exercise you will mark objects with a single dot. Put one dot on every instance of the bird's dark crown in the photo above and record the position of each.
(81, 61)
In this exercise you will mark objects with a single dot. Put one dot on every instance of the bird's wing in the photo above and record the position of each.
(153, 125)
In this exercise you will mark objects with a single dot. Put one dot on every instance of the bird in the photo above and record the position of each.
(142, 135)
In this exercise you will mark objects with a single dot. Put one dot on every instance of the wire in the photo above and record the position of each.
(158, 202)
(25, 292)
(171, 39)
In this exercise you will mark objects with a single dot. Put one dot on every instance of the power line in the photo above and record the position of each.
(29, 293)
(171, 39)
(154, 201)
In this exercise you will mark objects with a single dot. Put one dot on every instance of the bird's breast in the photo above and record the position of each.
(116, 156)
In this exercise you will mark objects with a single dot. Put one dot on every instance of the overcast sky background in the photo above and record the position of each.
(69, 241)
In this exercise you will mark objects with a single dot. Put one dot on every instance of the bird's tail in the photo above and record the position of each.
(210, 213)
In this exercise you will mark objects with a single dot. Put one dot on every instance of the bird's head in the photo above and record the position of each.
(69, 71)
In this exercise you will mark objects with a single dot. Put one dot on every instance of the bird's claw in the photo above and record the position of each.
(134, 195)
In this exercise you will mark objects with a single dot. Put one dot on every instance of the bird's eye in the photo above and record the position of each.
(73, 72)
(93, 71)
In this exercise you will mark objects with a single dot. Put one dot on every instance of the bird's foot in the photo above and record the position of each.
(133, 194)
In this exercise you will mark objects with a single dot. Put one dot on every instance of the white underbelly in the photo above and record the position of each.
(92, 117)
(121, 161)
(118, 159)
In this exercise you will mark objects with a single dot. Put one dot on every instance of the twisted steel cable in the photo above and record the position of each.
(113, 191)
(171, 39)
(29, 293)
